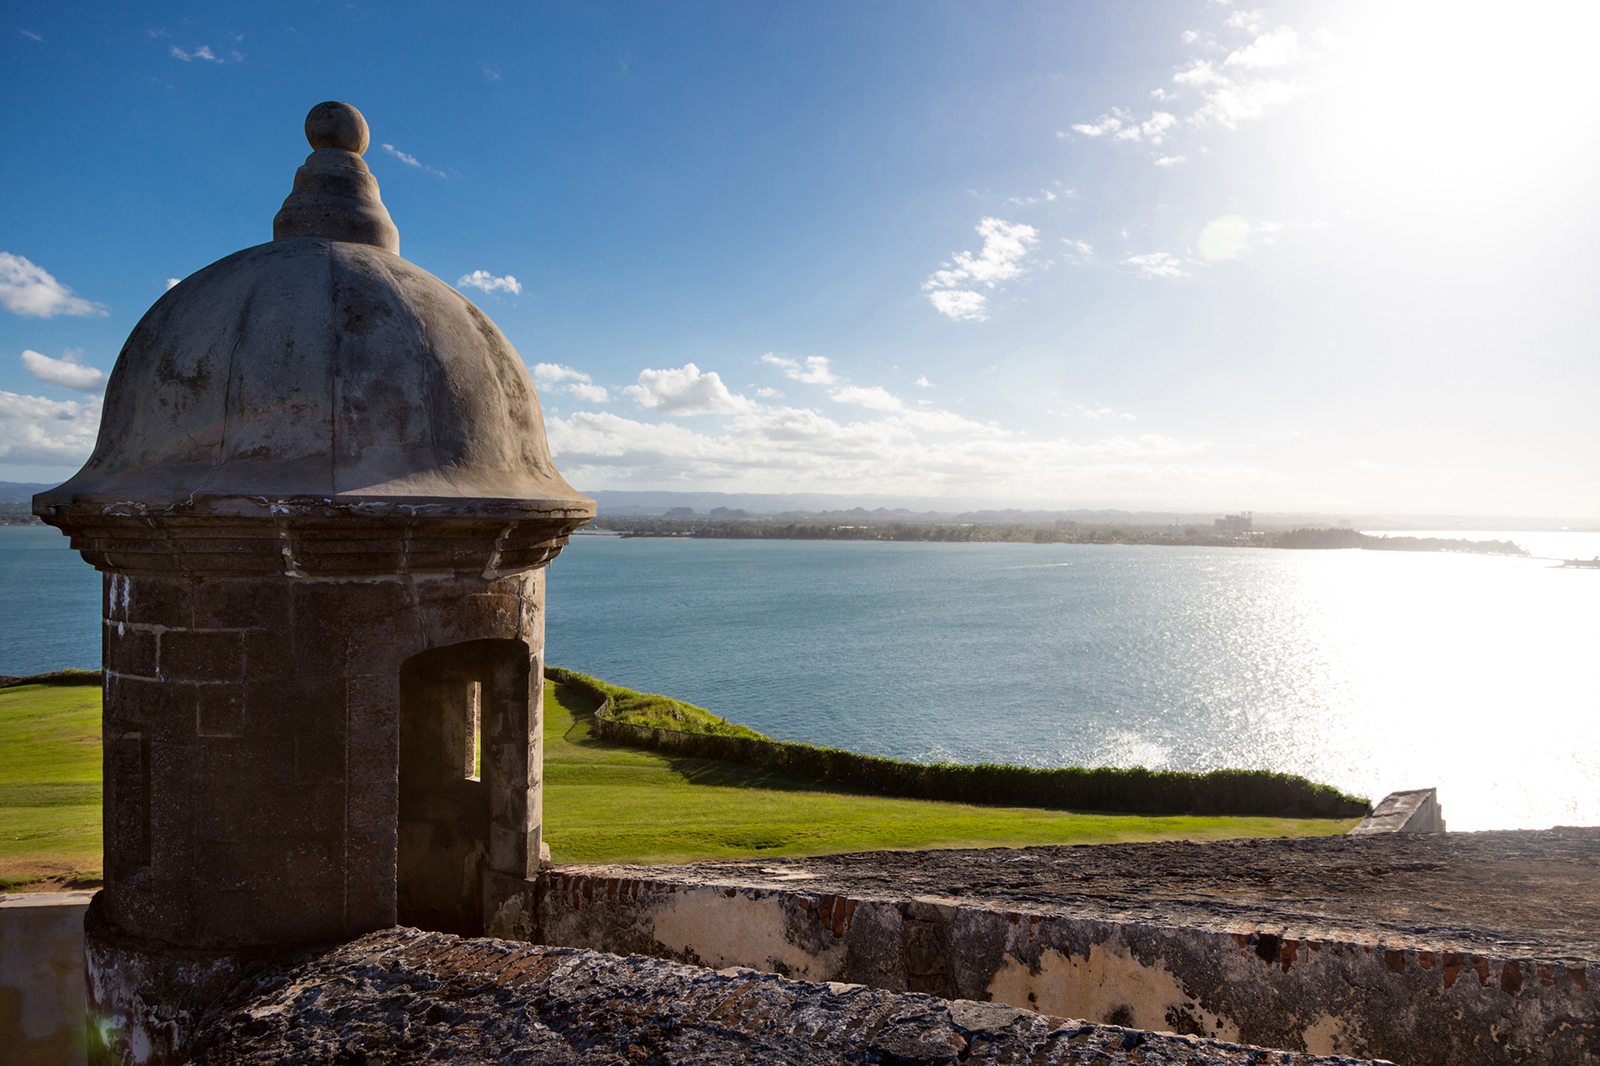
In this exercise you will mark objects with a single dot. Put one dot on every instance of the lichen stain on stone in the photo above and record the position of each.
(740, 931)
(1328, 1035)
(1097, 985)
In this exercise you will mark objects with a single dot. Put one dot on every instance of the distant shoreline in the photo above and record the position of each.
(1056, 533)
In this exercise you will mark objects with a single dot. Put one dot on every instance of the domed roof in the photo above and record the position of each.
(320, 367)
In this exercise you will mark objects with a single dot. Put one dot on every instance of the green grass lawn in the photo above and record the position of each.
(49, 784)
(605, 803)
(602, 802)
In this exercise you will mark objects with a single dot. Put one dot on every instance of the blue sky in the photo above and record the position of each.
(1189, 255)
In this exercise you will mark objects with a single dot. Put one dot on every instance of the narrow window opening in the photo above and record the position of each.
(474, 744)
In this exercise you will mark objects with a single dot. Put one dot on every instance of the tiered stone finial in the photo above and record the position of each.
(335, 196)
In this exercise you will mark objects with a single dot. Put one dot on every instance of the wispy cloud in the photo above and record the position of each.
(1005, 246)
(1231, 91)
(31, 35)
(26, 289)
(1045, 196)
(172, 282)
(686, 391)
(1276, 49)
(876, 397)
(47, 432)
(911, 451)
(492, 73)
(482, 279)
(815, 371)
(68, 372)
(203, 52)
(1157, 265)
(1094, 413)
(575, 383)
(922, 380)
(411, 161)
(1078, 251)
(1120, 126)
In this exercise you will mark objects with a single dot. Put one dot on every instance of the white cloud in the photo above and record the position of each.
(203, 52)
(961, 305)
(412, 161)
(553, 373)
(1154, 129)
(1004, 247)
(1249, 21)
(686, 391)
(912, 452)
(1170, 160)
(1095, 414)
(1157, 265)
(67, 372)
(1224, 237)
(874, 396)
(1078, 251)
(815, 371)
(1275, 49)
(1045, 196)
(482, 279)
(172, 282)
(1162, 95)
(1229, 105)
(34, 430)
(922, 380)
(1122, 126)
(31, 35)
(586, 392)
(561, 378)
(1107, 124)
(767, 393)
(29, 290)
(1200, 75)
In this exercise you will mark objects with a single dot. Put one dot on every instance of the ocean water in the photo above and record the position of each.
(1372, 671)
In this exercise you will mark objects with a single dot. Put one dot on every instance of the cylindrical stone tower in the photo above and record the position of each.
(322, 501)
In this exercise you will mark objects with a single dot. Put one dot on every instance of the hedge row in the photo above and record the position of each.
(1135, 791)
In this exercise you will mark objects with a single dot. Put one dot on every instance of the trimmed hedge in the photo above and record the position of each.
(1133, 791)
(58, 677)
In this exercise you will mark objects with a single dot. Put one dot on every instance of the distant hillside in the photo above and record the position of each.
(20, 491)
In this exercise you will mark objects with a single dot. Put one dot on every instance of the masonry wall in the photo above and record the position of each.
(1313, 991)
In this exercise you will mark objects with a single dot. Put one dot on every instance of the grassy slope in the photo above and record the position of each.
(602, 802)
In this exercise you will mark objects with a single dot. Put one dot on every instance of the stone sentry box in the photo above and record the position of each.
(322, 501)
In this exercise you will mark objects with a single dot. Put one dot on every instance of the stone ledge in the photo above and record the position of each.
(1424, 949)
(402, 996)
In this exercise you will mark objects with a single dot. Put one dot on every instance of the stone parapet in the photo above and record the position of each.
(403, 995)
(1441, 950)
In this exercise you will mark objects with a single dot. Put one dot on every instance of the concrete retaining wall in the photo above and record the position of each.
(42, 1003)
(1415, 1003)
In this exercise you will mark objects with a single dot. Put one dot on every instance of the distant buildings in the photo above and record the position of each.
(1235, 525)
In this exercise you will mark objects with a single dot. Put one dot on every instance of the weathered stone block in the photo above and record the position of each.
(201, 655)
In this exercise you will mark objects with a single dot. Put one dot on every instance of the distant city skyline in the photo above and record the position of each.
(1189, 256)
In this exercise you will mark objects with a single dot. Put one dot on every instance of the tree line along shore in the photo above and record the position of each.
(1022, 533)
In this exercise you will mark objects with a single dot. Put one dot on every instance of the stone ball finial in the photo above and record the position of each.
(332, 124)
(335, 196)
